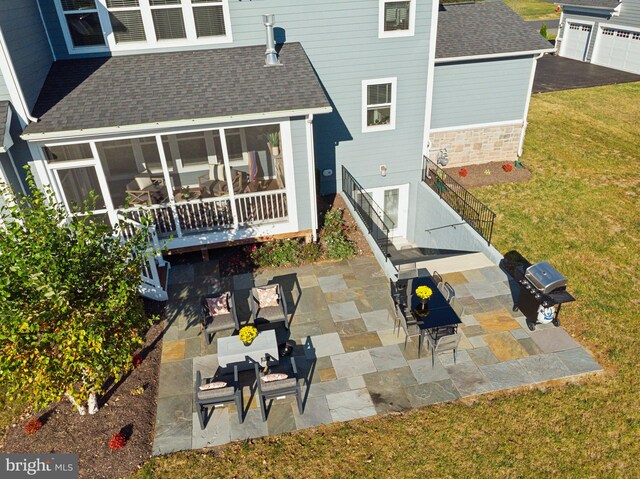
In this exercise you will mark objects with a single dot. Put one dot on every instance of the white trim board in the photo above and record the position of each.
(8, 141)
(392, 106)
(493, 55)
(409, 32)
(151, 128)
(431, 68)
(477, 126)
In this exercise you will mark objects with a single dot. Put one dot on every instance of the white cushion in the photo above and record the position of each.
(214, 385)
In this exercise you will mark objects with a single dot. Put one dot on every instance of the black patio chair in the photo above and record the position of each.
(281, 387)
(231, 393)
(213, 323)
(272, 314)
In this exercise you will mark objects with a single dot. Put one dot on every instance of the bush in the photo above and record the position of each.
(507, 167)
(334, 237)
(543, 30)
(277, 253)
(33, 426)
(463, 172)
(117, 441)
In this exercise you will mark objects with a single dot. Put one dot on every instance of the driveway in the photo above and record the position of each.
(556, 73)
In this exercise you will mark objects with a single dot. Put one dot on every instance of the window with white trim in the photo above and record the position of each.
(397, 18)
(139, 24)
(379, 104)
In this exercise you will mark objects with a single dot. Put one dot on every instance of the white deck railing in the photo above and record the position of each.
(204, 214)
(264, 206)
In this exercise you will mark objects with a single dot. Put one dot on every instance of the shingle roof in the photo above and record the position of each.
(161, 87)
(471, 29)
(4, 116)
(608, 4)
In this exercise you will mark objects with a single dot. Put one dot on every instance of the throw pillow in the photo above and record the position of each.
(214, 385)
(268, 296)
(274, 377)
(219, 305)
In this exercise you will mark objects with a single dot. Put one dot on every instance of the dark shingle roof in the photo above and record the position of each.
(4, 116)
(608, 4)
(470, 29)
(161, 87)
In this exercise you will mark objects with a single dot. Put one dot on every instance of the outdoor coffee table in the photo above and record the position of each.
(232, 351)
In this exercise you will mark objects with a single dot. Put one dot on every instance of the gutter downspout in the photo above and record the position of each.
(5, 59)
(527, 103)
(313, 196)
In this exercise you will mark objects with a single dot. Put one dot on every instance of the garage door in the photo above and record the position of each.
(575, 41)
(617, 48)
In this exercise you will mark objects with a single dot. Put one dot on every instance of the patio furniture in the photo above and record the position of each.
(407, 271)
(273, 313)
(410, 330)
(457, 306)
(287, 386)
(223, 321)
(447, 342)
(263, 350)
(144, 190)
(215, 182)
(437, 278)
(205, 399)
(447, 291)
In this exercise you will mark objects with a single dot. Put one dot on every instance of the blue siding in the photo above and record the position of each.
(480, 92)
(28, 45)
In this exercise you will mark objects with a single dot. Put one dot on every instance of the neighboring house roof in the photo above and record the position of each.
(491, 28)
(98, 93)
(606, 4)
(5, 119)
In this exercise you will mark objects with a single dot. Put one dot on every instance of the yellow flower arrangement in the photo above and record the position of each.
(423, 292)
(248, 334)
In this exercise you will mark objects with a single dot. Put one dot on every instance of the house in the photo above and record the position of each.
(173, 110)
(604, 32)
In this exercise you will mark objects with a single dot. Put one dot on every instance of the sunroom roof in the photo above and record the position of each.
(93, 94)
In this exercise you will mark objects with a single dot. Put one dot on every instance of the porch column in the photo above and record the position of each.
(167, 181)
(227, 173)
(102, 179)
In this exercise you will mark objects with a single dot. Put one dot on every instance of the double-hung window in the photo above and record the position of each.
(379, 104)
(126, 22)
(208, 16)
(168, 19)
(82, 21)
(397, 18)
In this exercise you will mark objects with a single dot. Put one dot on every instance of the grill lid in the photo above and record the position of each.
(545, 277)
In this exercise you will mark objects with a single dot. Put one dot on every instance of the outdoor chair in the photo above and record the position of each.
(273, 313)
(457, 306)
(437, 278)
(231, 393)
(407, 271)
(289, 385)
(216, 322)
(411, 329)
(447, 291)
(448, 342)
(144, 190)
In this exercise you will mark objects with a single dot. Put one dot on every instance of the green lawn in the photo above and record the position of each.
(581, 212)
(533, 9)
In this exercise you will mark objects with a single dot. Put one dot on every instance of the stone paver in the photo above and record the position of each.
(353, 362)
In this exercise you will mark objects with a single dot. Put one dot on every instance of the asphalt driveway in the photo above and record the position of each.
(556, 73)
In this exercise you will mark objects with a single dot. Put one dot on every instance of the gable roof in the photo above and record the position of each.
(148, 90)
(600, 4)
(484, 28)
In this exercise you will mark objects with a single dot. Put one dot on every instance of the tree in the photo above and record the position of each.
(70, 312)
(543, 30)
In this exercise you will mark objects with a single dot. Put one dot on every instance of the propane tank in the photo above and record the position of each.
(546, 315)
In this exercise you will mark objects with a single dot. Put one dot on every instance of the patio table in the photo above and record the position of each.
(263, 350)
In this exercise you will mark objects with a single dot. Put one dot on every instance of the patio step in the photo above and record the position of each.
(420, 255)
(453, 264)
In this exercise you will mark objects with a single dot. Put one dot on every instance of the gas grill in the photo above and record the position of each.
(543, 291)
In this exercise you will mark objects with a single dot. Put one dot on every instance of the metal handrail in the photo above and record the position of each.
(473, 211)
(378, 224)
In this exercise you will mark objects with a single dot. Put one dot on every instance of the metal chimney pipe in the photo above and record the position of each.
(271, 57)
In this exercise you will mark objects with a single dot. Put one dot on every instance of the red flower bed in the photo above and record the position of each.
(117, 441)
(507, 167)
(463, 172)
(32, 426)
(136, 360)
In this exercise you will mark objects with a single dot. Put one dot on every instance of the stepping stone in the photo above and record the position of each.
(552, 340)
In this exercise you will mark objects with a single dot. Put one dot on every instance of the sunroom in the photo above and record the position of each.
(214, 160)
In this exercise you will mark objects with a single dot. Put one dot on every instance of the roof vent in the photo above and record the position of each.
(271, 56)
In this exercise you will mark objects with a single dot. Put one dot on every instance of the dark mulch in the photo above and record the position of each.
(477, 174)
(330, 202)
(66, 431)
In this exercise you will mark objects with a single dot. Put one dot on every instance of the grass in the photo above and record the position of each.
(533, 9)
(580, 211)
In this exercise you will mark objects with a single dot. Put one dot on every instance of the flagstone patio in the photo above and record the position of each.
(355, 366)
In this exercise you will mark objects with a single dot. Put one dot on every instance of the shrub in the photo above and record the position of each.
(463, 172)
(277, 253)
(136, 360)
(117, 441)
(334, 237)
(507, 167)
(33, 426)
(543, 30)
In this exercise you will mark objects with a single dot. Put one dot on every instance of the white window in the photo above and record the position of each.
(397, 18)
(103, 25)
(379, 104)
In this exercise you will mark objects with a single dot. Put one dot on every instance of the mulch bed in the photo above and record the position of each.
(66, 431)
(477, 174)
(355, 235)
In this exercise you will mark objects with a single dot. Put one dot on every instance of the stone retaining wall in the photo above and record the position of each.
(479, 145)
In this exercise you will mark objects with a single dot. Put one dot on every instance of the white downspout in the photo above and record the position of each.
(7, 70)
(313, 197)
(527, 103)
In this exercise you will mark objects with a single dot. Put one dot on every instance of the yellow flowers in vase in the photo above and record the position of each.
(248, 334)
(424, 292)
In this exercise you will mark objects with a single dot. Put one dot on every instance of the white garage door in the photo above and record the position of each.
(618, 49)
(575, 41)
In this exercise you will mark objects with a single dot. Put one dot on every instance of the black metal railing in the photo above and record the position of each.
(378, 224)
(471, 209)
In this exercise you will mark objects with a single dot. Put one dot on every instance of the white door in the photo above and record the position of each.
(394, 201)
(575, 41)
(616, 48)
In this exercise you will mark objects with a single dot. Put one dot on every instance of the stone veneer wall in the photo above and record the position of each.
(479, 145)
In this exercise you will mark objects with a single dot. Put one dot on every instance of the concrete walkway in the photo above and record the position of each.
(556, 73)
(354, 364)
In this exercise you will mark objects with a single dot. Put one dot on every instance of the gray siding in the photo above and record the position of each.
(629, 14)
(480, 92)
(4, 92)
(28, 45)
(301, 172)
